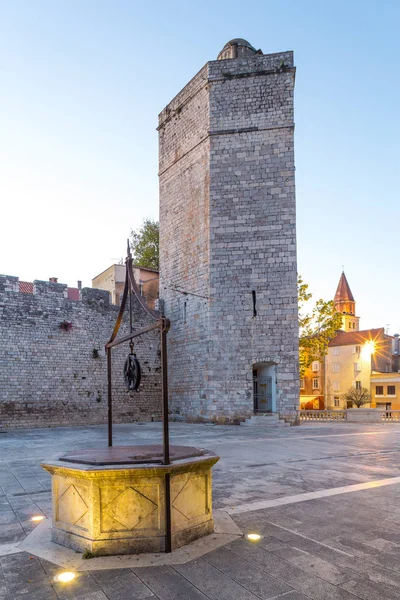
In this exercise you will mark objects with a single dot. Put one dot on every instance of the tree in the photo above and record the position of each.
(316, 328)
(145, 245)
(359, 397)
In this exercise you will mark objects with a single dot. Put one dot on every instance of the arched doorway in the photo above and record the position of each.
(264, 388)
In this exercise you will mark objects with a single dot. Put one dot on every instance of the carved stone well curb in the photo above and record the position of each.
(120, 509)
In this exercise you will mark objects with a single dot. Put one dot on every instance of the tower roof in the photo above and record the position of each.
(343, 292)
(239, 42)
(237, 48)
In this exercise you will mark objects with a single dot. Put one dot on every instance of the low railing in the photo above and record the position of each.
(322, 415)
(365, 415)
(390, 416)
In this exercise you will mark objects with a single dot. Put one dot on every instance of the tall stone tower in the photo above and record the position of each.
(228, 237)
(345, 304)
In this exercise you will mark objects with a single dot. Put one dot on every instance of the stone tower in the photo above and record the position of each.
(228, 237)
(345, 304)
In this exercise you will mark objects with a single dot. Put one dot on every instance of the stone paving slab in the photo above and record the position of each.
(340, 547)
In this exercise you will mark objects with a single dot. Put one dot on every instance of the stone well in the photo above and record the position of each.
(111, 501)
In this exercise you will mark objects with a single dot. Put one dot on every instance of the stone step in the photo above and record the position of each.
(267, 420)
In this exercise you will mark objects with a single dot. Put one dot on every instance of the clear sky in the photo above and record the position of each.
(82, 83)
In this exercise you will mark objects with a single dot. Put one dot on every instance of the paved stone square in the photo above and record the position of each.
(324, 497)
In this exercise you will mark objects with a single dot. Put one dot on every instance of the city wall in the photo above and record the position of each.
(52, 359)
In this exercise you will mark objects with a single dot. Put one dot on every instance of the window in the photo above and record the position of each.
(315, 366)
(391, 390)
(336, 386)
(335, 367)
(358, 385)
(349, 325)
(336, 351)
(379, 390)
(356, 349)
(302, 384)
(315, 383)
(357, 366)
(354, 325)
(336, 401)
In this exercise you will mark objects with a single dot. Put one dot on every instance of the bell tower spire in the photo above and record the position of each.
(345, 304)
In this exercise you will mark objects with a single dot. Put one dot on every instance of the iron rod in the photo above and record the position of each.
(110, 440)
(164, 383)
(134, 334)
(164, 370)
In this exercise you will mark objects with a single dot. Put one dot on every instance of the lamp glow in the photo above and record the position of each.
(253, 537)
(65, 577)
(370, 346)
(37, 518)
(368, 349)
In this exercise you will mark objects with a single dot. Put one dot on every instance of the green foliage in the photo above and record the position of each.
(316, 328)
(145, 245)
(358, 397)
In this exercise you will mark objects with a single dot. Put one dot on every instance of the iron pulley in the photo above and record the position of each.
(132, 373)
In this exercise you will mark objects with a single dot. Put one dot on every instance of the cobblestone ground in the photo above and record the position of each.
(318, 546)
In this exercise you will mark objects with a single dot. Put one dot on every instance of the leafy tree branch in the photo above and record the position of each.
(145, 245)
(316, 328)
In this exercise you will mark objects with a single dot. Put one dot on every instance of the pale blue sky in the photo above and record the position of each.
(82, 83)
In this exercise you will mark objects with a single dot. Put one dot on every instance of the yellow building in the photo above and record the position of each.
(314, 382)
(351, 359)
(385, 390)
(113, 279)
(354, 355)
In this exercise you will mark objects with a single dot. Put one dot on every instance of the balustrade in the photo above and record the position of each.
(322, 415)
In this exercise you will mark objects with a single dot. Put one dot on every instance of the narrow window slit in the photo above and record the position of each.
(253, 294)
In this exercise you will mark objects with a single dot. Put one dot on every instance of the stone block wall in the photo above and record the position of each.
(227, 235)
(50, 376)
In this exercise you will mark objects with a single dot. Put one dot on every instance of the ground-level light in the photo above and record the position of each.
(37, 518)
(65, 577)
(253, 537)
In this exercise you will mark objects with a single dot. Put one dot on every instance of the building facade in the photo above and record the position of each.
(352, 357)
(312, 387)
(355, 359)
(228, 237)
(113, 279)
(385, 390)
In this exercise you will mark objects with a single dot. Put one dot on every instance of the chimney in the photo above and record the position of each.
(53, 279)
(79, 285)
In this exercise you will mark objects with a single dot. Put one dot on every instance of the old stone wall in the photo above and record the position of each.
(50, 376)
(229, 237)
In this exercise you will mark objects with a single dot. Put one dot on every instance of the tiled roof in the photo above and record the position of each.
(146, 269)
(26, 287)
(343, 292)
(357, 337)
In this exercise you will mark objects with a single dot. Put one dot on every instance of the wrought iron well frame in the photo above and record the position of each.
(163, 324)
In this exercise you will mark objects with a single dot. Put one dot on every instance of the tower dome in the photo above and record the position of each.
(237, 48)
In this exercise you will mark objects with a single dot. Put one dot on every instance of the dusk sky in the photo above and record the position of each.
(82, 83)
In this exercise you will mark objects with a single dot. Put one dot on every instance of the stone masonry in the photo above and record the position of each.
(228, 234)
(52, 376)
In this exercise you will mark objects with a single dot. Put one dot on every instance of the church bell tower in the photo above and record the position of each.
(345, 304)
